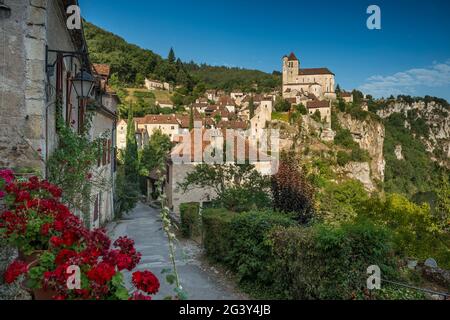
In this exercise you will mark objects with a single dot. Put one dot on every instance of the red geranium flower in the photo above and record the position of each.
(146, 281)
(101, 273)
(14, 270)
(140, 296)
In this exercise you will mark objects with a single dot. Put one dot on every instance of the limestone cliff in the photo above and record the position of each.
(429, 121)
(369, 134)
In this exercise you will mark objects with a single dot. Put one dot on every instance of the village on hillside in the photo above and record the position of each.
(125, 175)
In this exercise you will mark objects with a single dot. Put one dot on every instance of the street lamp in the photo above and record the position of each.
(83, 83)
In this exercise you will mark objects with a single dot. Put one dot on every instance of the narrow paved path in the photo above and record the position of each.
(144, 226)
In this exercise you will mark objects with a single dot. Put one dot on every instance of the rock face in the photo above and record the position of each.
(398, 152)
(437, 120)
(359, 171)
(369, 134)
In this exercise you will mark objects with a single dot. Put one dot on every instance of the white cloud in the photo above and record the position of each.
(407, 82)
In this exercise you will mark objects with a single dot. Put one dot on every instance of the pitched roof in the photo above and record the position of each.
(314, 71)
(292, 100)
(250, 149)
(223, 112)
(102, 69)
(292, 57)
(157, 119)
(232, 125)
(226, 100)
(346, 94)
(318, 104)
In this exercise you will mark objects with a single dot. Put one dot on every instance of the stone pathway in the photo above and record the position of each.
(144, 225)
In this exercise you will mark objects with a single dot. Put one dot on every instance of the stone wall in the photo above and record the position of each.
(22, 84)
(177, 173)
(27, 108)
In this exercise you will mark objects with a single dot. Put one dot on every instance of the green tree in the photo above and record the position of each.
(171, 57)
(316, 116)
(154, 152)
(231, 182)
(191, 119)
(442, 211)
(140, 80)
(131, 160)
(281, 105)
(251, 107)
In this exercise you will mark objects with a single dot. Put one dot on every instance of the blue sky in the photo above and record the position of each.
(409, 55)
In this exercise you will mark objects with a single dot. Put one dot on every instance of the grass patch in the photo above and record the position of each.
(281, 116)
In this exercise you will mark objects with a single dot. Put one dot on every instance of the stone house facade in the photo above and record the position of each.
(324, 108)
(39, 58)
(156, 85)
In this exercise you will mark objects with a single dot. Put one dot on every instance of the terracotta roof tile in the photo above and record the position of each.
(102, 69)
(314, 71)
(317, 104)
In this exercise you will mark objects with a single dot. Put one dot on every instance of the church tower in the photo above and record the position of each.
(290, 68)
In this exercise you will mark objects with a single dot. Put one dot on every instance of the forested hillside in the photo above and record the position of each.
(132, 64)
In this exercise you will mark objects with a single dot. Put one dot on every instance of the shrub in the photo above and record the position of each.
(190, 219)
(416, 232)
(341, 202)
(240, 199)
(316, 116)
(250, 252)
(239, 241)
(343, 158)
(291, 190)
(217, 233)
(324, 262)
(344, 138)
(301, 109)
(360, 155)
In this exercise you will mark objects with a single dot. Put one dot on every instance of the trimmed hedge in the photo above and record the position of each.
(250, 252)
(239, 241)
(190, 219)
(217, 233)
(324, 262)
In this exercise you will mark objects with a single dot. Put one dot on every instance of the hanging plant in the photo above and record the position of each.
(72, 166)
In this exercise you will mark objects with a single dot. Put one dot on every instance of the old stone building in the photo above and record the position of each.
(42, 63)
(297, 80)
(202, 146)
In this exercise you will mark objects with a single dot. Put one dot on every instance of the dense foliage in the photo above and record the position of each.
(127, 184)
(416, 172)
(72, 166)
(229, 79)
(239, 241)
(239, 187)
(132, 64)
(323, 262)
(190, 219)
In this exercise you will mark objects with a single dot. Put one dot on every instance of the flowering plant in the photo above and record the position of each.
(37, 220)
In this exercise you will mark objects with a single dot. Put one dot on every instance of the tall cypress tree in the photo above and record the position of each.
(171, 57)
(131, 160)
(251, 107)
(191, 119)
